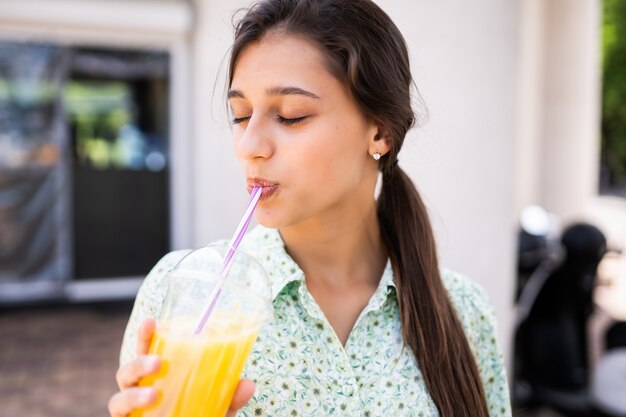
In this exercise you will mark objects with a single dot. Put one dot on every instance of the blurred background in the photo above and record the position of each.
(115, 149)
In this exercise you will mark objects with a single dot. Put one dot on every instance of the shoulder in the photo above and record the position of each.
(163, 266)
(472, 304)
(154, 286)
(477, 317)
(464, 292)
(148, 301)
(169, 260)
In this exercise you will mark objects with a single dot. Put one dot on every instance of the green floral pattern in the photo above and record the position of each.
(301, 368)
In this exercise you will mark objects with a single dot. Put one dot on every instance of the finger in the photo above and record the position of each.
(124, 402)
(243, 393)
(130, 374)
(145, 336)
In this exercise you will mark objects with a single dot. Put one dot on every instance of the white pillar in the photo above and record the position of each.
(571, 109)
(528, 146)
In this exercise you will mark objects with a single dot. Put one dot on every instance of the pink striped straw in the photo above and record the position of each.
(228, 259)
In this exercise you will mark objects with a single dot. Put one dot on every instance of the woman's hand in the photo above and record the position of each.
(131, 396)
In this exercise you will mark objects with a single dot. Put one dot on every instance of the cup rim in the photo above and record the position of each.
(224, 245)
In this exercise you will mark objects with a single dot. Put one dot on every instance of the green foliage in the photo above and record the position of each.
(98, 112)
(614, 91)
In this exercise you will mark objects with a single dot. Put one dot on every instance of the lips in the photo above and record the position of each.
(269, 187)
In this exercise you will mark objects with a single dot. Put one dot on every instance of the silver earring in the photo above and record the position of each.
(376, 156)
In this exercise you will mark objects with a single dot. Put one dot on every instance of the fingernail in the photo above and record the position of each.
(152, 363)
(147, 395)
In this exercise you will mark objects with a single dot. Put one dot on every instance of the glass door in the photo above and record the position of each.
(34, 175)
(84, 165)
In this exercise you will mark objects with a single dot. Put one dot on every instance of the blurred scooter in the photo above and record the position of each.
(556, 280)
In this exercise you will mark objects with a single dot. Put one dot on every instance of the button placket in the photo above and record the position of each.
(340, 361)
(375, 304)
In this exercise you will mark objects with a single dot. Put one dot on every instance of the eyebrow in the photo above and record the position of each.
(277, 91)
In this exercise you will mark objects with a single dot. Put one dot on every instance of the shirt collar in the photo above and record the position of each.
(269, 248)
(387, 278)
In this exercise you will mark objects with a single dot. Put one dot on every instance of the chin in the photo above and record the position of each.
(267, 218)
(275, 218)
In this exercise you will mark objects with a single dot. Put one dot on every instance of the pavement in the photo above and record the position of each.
(60, 360)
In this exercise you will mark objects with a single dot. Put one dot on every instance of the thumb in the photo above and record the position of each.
(144, 336)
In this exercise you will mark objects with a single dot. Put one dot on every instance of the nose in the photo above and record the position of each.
(253, 142)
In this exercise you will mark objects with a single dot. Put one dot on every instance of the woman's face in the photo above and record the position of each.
(299, 134)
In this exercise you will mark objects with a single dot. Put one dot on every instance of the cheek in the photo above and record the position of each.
(331, 159)
(236, 138)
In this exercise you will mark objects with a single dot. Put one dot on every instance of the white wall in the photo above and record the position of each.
(464, 61)
(464, 57)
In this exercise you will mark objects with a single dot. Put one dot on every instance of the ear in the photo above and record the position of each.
(379, 140)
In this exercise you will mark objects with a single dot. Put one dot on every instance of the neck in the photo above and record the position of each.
(339, 250)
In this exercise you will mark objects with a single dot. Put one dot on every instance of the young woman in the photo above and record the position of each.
(365, 323)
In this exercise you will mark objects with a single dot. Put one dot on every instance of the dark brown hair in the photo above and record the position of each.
(366, 51)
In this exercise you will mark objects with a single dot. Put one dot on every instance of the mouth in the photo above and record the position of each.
(269, 188)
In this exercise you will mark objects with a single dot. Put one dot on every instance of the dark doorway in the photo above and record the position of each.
(117, 111)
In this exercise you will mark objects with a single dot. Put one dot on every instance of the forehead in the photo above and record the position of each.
(283, 59)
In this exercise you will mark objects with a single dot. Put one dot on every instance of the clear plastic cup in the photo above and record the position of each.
(200, 372)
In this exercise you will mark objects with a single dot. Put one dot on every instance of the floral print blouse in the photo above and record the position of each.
(302, 369)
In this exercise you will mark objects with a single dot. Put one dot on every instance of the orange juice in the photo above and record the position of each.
(199, 373)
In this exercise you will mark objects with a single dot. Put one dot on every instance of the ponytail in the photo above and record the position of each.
(430, 325)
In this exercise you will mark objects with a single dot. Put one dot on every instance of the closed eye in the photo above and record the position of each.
(289, 122)
(238, 120)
